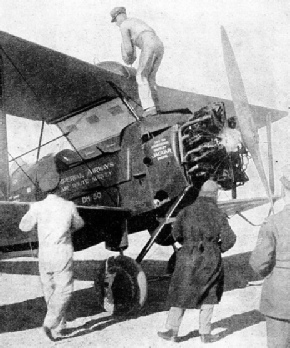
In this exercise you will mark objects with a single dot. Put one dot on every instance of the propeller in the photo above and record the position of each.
(243, 112)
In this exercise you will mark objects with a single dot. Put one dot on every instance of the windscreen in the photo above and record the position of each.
(97, 124)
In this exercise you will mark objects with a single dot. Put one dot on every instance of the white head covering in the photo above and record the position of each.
(49, 181)
(209, 189)
(47, 174)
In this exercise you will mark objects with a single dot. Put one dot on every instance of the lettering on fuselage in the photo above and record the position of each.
(161, 149)
(94, 198)
(82, 177)
(100, 169)
(72, 178)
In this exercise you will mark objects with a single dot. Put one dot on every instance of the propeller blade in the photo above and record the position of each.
(243, 112)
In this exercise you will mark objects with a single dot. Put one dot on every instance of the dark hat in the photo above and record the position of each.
(116, 11)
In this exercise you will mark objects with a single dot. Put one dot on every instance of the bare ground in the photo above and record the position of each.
(236, 321)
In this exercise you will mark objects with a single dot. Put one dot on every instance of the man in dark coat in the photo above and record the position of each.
(197, 282)
(271, 259)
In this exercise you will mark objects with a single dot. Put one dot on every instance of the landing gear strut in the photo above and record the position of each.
(121, 283)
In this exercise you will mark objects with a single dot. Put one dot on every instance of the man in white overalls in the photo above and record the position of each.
(136, 33)
(55, 219)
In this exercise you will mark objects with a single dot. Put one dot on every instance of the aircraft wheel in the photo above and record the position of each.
(122, 286)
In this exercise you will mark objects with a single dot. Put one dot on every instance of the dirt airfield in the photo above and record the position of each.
(236, 321)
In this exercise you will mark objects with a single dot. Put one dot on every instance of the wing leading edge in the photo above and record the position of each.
(43, 84)
(236, 206)
(102, 224)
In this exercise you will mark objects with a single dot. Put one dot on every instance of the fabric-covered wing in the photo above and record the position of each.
(235, 206)
(40, 83)
(101, 224)
(172, 99)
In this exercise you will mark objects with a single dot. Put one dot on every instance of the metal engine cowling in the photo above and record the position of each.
(203, 153)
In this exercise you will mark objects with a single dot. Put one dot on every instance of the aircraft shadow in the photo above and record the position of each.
(29, 314)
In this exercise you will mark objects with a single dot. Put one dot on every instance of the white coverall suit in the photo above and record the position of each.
(136, 33)
(55, 219)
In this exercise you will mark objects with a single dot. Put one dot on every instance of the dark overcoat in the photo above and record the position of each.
(204, 232)
(271, 259)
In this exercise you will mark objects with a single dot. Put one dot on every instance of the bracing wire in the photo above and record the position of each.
(64, 134)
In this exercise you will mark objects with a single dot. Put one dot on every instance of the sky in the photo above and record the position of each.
(259, 32)
(190, 29)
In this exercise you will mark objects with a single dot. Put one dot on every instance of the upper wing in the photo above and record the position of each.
(173, 98)
(43, 84)
(235, 206)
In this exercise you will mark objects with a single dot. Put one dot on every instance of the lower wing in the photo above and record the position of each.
(237, 206)
(102, 224)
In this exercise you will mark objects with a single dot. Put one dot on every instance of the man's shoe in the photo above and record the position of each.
(65, 332)
(48, 333)
(208, 338)
(169, 335)
(60, 334)
(149, 112)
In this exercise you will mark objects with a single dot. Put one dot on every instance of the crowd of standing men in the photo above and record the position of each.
(202, 233)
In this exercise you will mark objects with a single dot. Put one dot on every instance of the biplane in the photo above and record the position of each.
(126, 174)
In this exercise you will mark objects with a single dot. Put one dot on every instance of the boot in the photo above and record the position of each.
(48, 333)
(149, 112)
(208, 338)
(169, 335)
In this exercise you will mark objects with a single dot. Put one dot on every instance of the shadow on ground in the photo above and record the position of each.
(29, 314)
(234, 323)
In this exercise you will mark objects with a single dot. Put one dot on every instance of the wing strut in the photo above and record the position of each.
(247, 220)
(124, 100)
(155, 234)
(270, 154)
(4, 164)
(40, 141)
